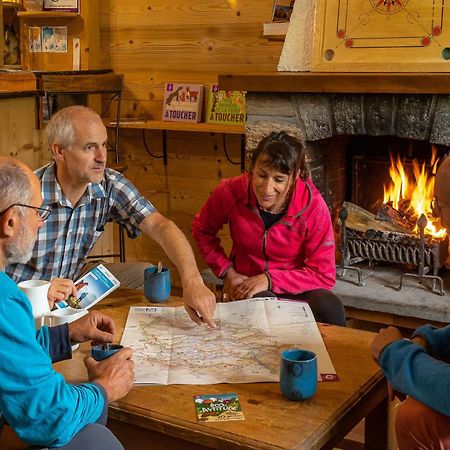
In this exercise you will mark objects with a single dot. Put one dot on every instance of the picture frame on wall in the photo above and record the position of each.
(61, 5)
(282, 10)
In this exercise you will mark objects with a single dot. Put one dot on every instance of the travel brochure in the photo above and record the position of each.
(92, 287)
(218, 408)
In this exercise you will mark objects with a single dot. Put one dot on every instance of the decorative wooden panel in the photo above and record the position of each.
(382, 36)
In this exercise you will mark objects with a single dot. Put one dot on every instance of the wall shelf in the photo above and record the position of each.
(164, 126)
(47, 14)
(275, 31)
(178, 126)
(11, 5)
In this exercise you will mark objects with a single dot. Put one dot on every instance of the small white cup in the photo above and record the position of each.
(64, 315)
(36, 291)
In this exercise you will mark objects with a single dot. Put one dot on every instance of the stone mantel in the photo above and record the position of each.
(334, 82)
(319, 105)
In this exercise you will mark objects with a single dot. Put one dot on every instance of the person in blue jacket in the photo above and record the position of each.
(36, 401)
(416, 368)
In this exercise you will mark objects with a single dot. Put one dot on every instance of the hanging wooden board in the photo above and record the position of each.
(381, 36)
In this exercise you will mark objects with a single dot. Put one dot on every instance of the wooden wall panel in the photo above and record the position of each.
(18, 136)
(181, 41)
(2, 34)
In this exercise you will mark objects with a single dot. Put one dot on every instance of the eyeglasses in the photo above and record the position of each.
(43, 212)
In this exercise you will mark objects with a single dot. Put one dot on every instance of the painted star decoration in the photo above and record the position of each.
(391, 4)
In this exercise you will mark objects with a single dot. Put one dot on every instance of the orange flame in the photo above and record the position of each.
(414, 197)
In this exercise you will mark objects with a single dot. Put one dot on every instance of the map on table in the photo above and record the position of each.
(244, 348)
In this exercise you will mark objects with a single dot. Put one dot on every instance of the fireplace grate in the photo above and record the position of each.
(396, 248)
(405, 252)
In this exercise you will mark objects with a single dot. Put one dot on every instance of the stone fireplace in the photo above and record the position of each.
(350, 123)
(339, 128)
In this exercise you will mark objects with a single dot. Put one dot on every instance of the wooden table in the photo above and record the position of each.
(163, 417)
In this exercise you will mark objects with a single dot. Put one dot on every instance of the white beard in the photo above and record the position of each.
(21, 249)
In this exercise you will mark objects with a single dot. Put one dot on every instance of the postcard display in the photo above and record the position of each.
(50, 39)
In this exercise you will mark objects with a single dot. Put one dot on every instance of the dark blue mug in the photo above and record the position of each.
(298, 374)
(156, 284)
(101, 352)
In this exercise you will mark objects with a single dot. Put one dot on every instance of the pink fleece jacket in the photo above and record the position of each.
(297, 252)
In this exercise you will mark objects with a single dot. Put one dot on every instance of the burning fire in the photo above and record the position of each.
(414, 198)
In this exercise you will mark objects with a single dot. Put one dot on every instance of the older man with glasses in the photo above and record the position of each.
(36, 401)
(417, 368)
(43, 211)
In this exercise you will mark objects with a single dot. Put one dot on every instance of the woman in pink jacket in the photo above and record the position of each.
(281, 230)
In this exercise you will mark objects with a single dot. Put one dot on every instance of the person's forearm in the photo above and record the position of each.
(205, 232)
(413, 372)
(176, 247)
(438, 340)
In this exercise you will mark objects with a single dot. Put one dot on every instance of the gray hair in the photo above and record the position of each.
(15, 185)
(61, 127)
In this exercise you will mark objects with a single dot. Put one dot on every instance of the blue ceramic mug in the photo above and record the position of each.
(298, 374)
(157, 284)
(101, 352)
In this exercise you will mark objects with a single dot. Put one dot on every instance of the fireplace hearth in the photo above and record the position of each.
(343, 118)
(427, 254)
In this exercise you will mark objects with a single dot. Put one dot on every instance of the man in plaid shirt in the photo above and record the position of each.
(84, 195)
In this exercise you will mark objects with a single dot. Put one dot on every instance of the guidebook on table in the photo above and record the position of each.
(92, 287)
(218, 407)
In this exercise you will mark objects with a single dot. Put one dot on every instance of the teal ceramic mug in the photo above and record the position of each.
(298, 374)
(101, 352)
(156, 284)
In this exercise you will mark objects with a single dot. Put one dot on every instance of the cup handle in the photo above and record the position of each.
(44, 318)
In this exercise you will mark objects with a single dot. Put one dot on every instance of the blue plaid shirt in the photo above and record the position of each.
(69, 234)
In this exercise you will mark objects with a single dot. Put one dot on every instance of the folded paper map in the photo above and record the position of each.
(244, 348)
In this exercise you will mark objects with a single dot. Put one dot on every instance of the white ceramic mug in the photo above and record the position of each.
(64, 315)
(36, 291)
